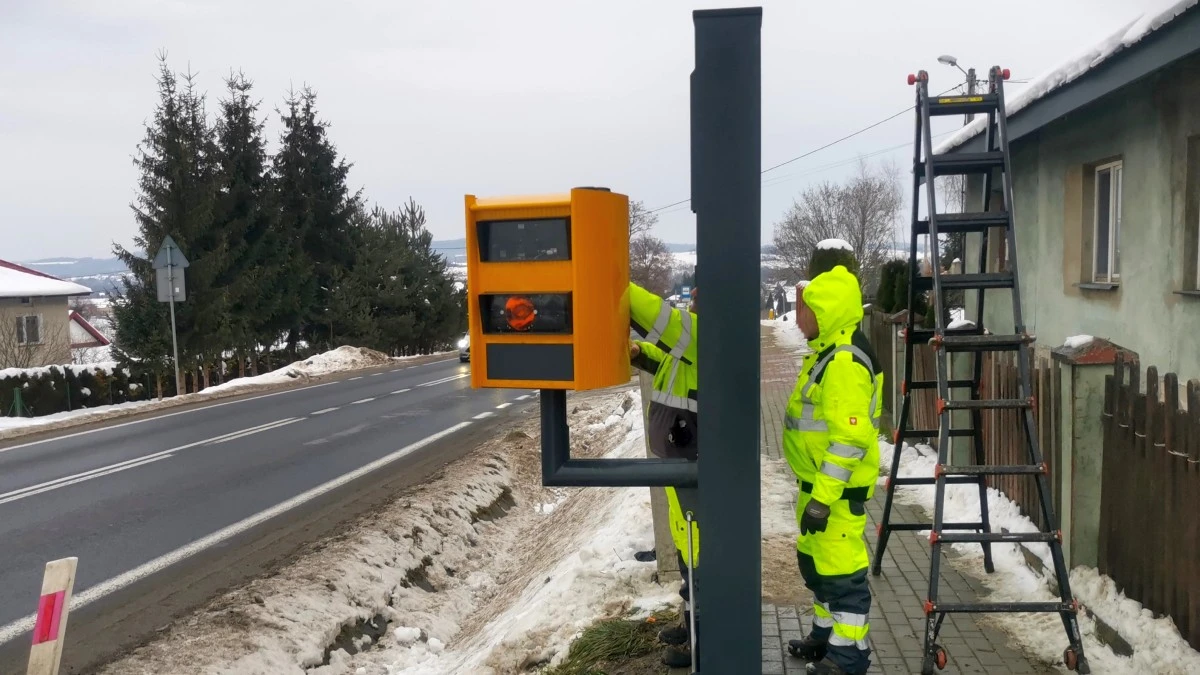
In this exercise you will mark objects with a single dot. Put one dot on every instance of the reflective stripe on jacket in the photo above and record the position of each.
(830, 435)
(668, 350)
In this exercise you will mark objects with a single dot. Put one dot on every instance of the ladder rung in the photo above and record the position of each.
(996, 537)
(950, 223)
(933, 384)
(927, 334)
(932, 433)
(993, 469)
(979, 343)
(999, 607)
(968, 281)
(963, 163)
(930, 480)
(989, 404)
(917, 527)
(962, 105)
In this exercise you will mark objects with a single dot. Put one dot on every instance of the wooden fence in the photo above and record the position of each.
(1150, 500)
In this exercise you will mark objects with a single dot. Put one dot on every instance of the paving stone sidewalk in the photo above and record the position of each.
(896, 615)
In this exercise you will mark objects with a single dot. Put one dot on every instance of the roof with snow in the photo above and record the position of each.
(21, 282)
(1151, 41)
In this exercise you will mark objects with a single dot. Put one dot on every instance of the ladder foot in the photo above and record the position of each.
(1074, 660)
(937, 657)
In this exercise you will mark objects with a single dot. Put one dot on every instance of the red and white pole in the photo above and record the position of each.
(50, 628)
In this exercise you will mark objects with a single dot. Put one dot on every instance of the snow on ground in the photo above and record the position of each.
(471, 572)
(1158, 647)
(787, 333)
(338, 360)
(1070, 70)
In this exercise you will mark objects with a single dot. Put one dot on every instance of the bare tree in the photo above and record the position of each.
(650, 263)
(862, 211)
(641, 221)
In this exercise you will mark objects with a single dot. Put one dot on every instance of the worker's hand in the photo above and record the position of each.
(815, 518)
(634, 350)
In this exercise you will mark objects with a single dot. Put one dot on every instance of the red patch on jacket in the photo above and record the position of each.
(854, 421)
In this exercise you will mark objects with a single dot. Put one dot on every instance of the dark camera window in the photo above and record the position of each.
(526, 313)
(524, 240)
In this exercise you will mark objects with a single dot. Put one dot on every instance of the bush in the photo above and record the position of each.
(825, 259)
(889, 275)
(53, 389)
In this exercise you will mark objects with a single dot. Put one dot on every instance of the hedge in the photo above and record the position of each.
(52, 389)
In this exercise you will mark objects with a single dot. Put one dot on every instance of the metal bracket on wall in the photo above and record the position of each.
(560, 470)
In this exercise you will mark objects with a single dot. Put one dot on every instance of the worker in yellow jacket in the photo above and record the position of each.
(667, 349)
(830, 439)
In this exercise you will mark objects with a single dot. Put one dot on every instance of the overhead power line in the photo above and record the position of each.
(816, 150)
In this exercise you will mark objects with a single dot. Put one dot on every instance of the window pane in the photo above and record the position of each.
(20, 330)
(1116, 220)
(33, 329)
(1103, 213)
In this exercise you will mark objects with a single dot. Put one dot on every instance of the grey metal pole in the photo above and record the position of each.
(691, 589)
(726, 114)
(174, 339)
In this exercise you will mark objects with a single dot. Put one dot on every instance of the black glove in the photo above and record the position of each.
(815, 518)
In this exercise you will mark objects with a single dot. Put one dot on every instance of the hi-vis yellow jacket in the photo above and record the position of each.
(830, 435)
(668, 350)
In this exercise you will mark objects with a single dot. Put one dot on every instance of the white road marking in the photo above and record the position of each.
(502, 406)
(482, 416)
(356, 378)
(258, 430)
(376, 374)
(326, 410)
(87, 597)
(163, 416)
(77, 478)
(363, 400)
(444, 380)
(524, 397)
(401, 391)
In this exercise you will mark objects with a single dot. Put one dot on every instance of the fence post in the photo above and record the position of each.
(1081, 434)
(50, 627)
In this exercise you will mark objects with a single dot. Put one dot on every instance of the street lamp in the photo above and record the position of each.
(947, 60)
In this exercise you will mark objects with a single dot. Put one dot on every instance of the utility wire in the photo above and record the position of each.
(823, 147)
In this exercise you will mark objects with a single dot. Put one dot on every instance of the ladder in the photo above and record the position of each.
(974, 340)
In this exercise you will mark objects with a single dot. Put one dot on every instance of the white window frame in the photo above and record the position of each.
(1116, 184)
(21, 332)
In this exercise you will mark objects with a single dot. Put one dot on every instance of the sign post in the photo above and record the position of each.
(171, 288)
(50, 627)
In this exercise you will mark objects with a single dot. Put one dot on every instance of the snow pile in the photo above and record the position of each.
(1158, 647)
(788, 335)
(779, 491)
(828, 244)
(338, 360)
(1077, 341)
(75, 416)
(1074, 68)
(960, 323)
(19, 282)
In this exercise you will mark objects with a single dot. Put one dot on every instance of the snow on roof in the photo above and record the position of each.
(827, 244)
(1074, 68)
(21, 282)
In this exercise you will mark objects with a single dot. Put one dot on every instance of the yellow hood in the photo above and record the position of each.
(836, 300)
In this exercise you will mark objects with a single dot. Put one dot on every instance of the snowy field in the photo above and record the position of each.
(1158, 646)
(342, 359)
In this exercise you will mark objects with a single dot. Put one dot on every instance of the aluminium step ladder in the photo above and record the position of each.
(993, 162)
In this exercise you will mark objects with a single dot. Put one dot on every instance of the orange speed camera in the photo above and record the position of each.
(547, 283)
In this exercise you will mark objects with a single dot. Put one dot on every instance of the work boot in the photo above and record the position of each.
(677, 657)
(808, 649)
(828, 667)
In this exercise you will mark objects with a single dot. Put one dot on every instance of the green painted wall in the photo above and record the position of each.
(1148, 125)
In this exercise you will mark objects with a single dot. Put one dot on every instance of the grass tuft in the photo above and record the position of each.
(611, 642)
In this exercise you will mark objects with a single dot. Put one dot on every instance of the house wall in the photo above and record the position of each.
(1154, 127)
(55, 347)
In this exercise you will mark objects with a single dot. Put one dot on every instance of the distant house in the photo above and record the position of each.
(1106, 189)
(83, 334)
(35, 322)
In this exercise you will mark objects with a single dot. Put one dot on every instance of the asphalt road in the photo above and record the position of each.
(168, 510)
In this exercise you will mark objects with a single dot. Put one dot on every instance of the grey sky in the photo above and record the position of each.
(436, 100)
